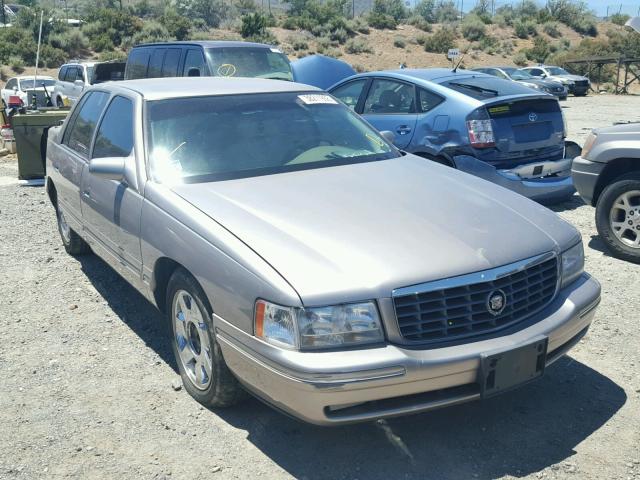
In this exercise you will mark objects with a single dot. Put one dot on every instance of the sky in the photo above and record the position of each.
(630, 7)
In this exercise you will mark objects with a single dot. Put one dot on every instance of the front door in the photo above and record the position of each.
(111, 208)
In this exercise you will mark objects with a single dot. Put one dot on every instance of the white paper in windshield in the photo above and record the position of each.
(313, 99)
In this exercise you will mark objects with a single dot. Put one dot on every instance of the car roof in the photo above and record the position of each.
(436, 75)
(184, 87)
(86, 64)
(207, 44)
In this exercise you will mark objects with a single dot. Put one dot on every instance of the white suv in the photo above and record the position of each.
(72, 78)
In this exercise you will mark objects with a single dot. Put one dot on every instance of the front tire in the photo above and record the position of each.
(618, 217)
(204, 373)
(72, 242)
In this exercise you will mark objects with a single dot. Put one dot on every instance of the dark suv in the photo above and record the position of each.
(207, 58)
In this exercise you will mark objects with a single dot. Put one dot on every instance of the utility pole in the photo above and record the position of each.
(4, 14)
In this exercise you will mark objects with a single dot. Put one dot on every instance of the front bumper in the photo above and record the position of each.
(551, 183)
(585, 175)
(340, 387)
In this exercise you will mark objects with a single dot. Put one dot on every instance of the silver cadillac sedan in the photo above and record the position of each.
(300, 256)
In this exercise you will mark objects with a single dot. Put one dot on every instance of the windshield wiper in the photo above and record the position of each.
(475, 87)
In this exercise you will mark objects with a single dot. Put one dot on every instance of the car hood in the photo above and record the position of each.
(543, 82)
(320, 71)
(355, 232)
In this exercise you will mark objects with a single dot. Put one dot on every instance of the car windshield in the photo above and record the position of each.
(486, 87)
(26, 84)
(204, 139)
(249, 62)
(516, 74)
(557, 71)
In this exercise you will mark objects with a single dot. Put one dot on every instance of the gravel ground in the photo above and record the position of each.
(86, 379)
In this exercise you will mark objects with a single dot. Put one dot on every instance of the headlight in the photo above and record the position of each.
(315, 328)
(588, 145)
(533, 85)
(572, 264)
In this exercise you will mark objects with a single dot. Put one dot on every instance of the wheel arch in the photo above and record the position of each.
(163, 269)
(52, 193)
(613, 170)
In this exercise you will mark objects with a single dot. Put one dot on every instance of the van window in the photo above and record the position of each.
(194, 60)
(79, 138)
(115, 135)
(155, 64)
(137, 63)
(171, 62)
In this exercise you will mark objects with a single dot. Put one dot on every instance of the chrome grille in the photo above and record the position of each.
(459, 307)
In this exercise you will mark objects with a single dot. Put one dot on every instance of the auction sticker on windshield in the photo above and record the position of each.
(311, 99)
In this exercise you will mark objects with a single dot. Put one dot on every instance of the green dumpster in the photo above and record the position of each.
(31, 130)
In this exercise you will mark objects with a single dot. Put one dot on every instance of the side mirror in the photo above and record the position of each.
(388, 135)
(78, 83)
(15, 88)
(543, 75)
(109, 168)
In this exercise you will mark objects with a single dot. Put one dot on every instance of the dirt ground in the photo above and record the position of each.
(86, 378)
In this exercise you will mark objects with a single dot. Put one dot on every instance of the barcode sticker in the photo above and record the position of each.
(312, 99)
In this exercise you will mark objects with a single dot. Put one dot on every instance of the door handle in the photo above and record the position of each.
(403, 129)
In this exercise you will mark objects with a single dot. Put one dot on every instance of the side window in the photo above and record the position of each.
(11, 84)
(155, 64)
(115, 135)
(536, 72)
(71, 74)
(79, 74)
(389, 96)
(428, 100)
(137, 63)
(350, 93)
(499, 74)
(171, 62)
(79, 138)
(62, 72)
(194, 60)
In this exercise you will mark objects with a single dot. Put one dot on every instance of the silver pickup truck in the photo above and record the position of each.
(607, 176)
(299, 255)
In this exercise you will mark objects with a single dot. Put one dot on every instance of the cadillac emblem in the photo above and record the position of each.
(496, 302)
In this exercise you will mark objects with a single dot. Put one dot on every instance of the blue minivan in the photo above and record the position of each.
(495, 129)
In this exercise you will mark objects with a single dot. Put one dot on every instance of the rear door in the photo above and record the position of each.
(391, 105)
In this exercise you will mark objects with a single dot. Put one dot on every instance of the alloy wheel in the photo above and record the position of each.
(192, 339)
(624, 218)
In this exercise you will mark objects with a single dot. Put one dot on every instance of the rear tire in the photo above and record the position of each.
(72, 242)
(618, 205)
(204, 373)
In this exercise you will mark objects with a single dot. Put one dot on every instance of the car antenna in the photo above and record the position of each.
(455, 69)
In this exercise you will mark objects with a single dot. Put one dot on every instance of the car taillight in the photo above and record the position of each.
(481, 133)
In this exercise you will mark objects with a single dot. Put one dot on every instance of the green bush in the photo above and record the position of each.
(539, 52)
(525, 28)
(551, 29)
(520, 59)
(473, 28)
(393, 8)
(426, 9)
(212, 12)
(446, 11)
(382, 21)
(152, 31)
(298, 43)
(73, 42)
(359, 24)
(51, 57)
(421, 39)
(489, 44)
(177, 26)
(586, 26)
(339, 35)
(116, 25)
(113, 56)
(358, 45)
(399, 42)
(253, 25)
(441, 41)
(619, 18)
(419, 22)
(16, 64)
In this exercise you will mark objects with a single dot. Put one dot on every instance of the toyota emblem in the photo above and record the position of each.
(533, 117)
(496, 302)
